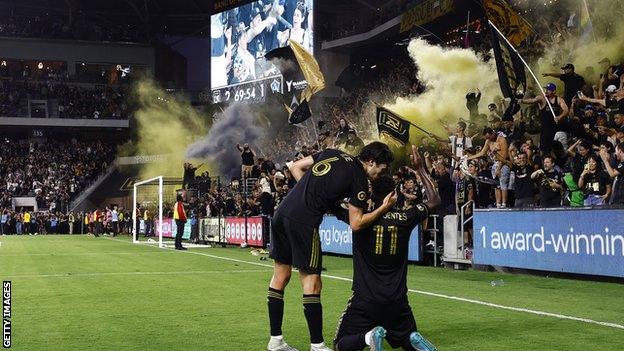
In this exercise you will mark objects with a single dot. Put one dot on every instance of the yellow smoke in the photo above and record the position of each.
(448, 74)
(166, 125)
(607, 41)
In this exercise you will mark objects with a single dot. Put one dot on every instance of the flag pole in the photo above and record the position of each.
(318, 143)
(527, 67)
(466, 42)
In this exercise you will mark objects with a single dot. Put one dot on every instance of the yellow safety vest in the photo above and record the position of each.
(176, 215)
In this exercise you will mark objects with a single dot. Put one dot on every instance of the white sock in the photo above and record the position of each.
(277, 338)
(318, 345)
(368, 337)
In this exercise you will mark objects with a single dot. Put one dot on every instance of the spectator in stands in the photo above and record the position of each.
(616, 173)
(4, 222)
(550, 183)
(472, 103)
(572, 81)
(343, 131)
(549, 118)
(496, 149)
(512, 132)
(580, 152)
(411, 193)
(595, 182)
(524, 187)
(247, 159)
(354, 144)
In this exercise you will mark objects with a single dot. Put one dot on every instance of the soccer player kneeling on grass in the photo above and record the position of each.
(379, 307)
(322, 180)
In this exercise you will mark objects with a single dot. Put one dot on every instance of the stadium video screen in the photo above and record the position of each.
(240, 38)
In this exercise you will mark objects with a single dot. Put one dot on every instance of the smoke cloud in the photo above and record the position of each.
(607, 40)
(449, 74)
(166, 125)
(235, 125)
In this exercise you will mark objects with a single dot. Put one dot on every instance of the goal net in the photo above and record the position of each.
(153, 223)
(147, 214)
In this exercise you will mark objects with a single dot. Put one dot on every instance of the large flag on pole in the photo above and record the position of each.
(296, 64)
(511, 75)
(392, 125)
(585, 23)
(498, 37)
(513, 26)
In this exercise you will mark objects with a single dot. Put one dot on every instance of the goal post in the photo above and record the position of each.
(147, 197)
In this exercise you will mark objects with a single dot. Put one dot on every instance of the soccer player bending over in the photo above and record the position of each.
(379, 307)
(322, 180)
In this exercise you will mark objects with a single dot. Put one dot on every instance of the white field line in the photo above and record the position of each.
(427, 293)
(85, 254)
(98, 274)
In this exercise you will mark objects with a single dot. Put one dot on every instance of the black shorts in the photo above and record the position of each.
(361, 316)
(296, 244)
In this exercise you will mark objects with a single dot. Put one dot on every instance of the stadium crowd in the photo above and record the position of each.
(73, 101)
(53, 172)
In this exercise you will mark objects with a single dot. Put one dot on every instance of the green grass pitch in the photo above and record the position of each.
(86, 293)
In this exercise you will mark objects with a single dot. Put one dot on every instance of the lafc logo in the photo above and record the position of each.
(392, 122)
(361, 196)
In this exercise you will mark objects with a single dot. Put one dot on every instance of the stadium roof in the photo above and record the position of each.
(179, 17)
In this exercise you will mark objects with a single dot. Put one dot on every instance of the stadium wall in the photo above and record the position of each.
(74, 52)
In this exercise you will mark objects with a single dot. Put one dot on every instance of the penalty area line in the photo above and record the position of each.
(432, 294)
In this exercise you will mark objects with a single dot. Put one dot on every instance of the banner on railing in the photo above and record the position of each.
(235, 231)
(336, 237)
(583, 241)
(209, 229)
(170, 229)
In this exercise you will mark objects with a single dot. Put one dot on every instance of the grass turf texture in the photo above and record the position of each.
(81, 292)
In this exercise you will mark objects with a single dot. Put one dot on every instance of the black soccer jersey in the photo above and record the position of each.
(334, 176)
(380, 255)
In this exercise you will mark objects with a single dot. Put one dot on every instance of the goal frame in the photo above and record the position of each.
(135, 234)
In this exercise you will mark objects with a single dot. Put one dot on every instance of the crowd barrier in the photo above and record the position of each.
(581, 241)
(257, 228)
(170, 229)
(336, 237)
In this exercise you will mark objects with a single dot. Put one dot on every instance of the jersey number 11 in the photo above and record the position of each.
(380, 230)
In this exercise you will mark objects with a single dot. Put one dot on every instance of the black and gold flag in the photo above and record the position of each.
(511, 74)
(515, 27)
(393, 126)
(296, 64)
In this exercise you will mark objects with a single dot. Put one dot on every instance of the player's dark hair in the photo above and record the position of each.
(381, 187)
(488, 130)
(462, 125)
(377, 152)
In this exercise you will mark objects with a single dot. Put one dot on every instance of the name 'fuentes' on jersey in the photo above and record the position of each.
(380, 255)
(334, 175)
